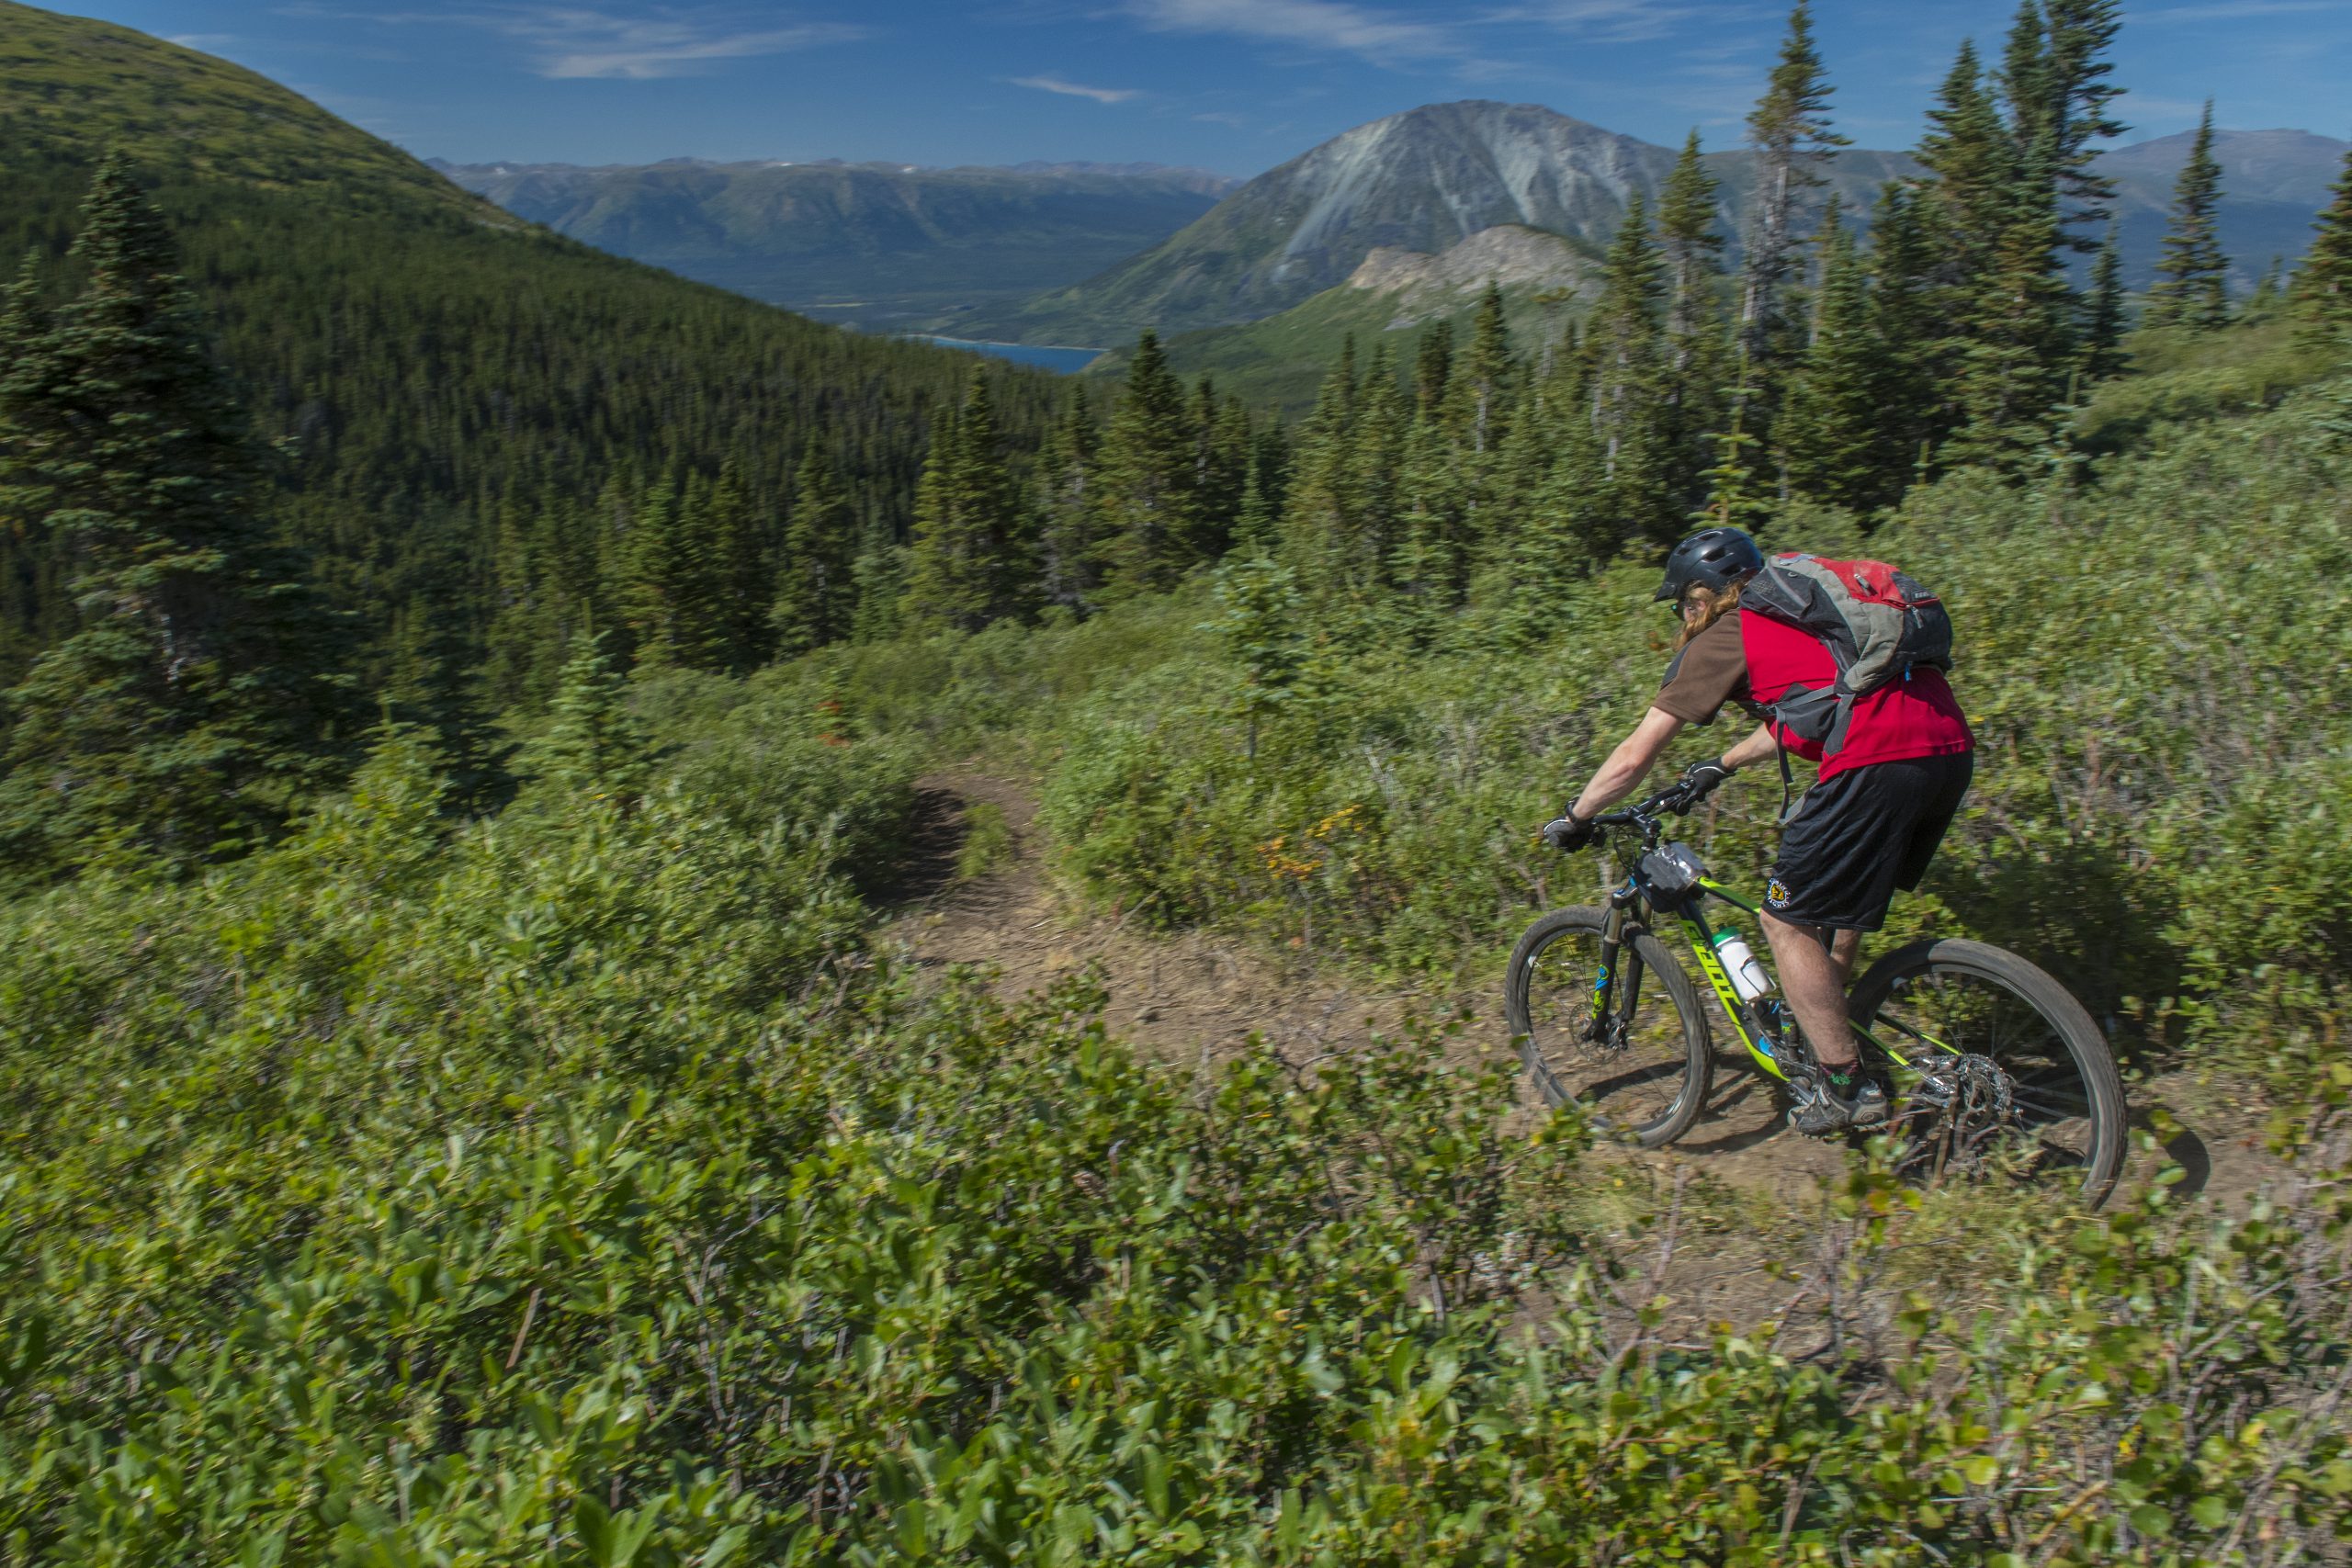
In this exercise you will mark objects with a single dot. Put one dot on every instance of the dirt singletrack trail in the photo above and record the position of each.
(1197, 997)
(1194, 997)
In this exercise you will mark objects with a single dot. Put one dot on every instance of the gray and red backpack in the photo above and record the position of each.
(1878, 624)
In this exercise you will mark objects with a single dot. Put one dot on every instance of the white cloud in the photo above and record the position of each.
(1072, 90)
(2231, 10)
(570, 43)
(1378, 36)
(211, 43)
(1603, 21)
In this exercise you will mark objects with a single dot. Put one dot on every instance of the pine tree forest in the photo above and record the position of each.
(814, 489)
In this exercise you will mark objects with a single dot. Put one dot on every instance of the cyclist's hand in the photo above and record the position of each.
(1569, 832)
(1698, 781)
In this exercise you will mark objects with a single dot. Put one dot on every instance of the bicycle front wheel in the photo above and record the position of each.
(2001, 1070)
(1641, 1070)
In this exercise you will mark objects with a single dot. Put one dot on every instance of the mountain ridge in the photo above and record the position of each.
(887, 246)
(1431, 176)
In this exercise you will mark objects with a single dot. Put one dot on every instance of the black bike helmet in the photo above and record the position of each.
(1714, 557)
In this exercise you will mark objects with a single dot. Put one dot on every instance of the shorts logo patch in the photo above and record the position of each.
(1776, 893)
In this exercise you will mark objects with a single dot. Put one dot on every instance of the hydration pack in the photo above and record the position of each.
(1877, 624)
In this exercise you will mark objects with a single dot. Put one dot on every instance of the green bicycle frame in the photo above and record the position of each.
(1745, 1018)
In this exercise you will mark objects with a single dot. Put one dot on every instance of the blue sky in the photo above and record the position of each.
(1237, 85)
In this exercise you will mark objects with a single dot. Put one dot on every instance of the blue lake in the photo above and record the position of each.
(1065, 360)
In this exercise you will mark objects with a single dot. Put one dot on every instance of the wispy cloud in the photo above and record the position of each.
(569, 43)
(1379, 36)
(2231, 10)
(1600, 21)
(209, 42)
(1072, 89)
(1224, 118)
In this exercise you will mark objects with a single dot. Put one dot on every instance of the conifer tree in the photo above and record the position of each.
(971, 561)
(1484, 378)
(741, 632)
(195, 703)
(2078, 34)
(1694, 248)
(816, 592)
(2103, 313)
(2190, 290)
(1790, 133)
(668, 587)
(1625, 342)
(1220, 468)
(2323, 289)
(1907, 297)
(1834, 433)
(594, 746)
(1973, 165)
(1069, 512)
(1433, 363)
(1146, 476)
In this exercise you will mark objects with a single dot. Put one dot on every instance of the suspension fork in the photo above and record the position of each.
(1612, 986)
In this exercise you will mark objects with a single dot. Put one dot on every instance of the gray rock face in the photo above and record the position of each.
(1420, 181)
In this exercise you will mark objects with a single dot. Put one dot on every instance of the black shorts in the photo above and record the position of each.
(1859, 835)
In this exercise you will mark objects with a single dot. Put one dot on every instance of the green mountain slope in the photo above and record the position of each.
(427, 360)
(883, 246)
(1546, 280)
(1432, 176)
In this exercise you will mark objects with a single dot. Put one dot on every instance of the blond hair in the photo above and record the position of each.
(1719, 602)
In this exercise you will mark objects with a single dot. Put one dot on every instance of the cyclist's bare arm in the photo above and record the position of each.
(1627, 765)
(1638, 752)
(1757, 747)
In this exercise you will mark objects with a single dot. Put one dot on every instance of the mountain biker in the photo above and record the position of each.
(1868, 826)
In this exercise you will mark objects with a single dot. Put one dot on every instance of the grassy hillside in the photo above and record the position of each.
(426, 359)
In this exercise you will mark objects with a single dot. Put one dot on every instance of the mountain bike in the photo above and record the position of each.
(1992, 1068)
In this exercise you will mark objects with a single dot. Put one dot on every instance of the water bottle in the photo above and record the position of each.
(1748, 976)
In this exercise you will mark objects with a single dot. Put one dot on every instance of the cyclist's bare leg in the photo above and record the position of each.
(1813, 976)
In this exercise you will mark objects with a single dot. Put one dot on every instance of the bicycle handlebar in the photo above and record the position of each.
(1646, 814)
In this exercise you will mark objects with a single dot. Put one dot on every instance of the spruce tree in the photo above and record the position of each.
(1908, 318)
(1220, 468)
(2078, 35)
(1972, 166)
(1146, 476)
(1069, 511)
(742, 634)
(194, 704)
(669, 584)
(2191, 287)
(815, 590)
(2104, 313)
(2322, 287)
(1789, 133)
(972, 560)
(1433, 363)
(1833, 432)
(1625, 342)
(1693, 247)
(593, 747)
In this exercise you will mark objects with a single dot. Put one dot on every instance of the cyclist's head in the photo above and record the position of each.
(1714, 559)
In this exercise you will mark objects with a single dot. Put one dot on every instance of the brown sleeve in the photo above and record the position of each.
(1707, 673)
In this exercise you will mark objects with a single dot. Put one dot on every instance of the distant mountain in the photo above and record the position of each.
(2273, 184)
(885, 246)
(1429, 178)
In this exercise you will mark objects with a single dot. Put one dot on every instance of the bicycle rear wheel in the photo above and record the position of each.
(2006, 1072)
(1646, 1076)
